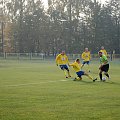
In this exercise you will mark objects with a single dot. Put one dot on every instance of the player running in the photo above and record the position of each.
(104, 67)
(62, 61)
(77, 67)
(86, 56)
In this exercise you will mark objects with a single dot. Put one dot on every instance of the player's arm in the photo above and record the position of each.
(67, 60)
(106, 53)
(57, 59)
(103, 64)
(89, 56)
(72, 64)
(83, 56)
(106, 61)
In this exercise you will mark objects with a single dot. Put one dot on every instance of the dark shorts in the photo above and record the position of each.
(86, 62)
(105, 68)
(80, 73)
(64, 67)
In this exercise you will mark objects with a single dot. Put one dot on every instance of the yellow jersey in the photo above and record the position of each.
(86, 56)
(76, 66)
(104, 52)
(62, 59)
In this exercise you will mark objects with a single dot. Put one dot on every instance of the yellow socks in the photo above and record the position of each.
(90, 77)
(65, 73)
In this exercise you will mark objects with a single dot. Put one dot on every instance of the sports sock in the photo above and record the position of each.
(90, 77)
(65, 73)
(69, 74)
(107, 75)
(100, 76)
(88, 68)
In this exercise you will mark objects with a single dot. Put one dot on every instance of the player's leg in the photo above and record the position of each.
(78, 78)
(106, 70)
(68, 71)
(90, 77)
(88, 64)
(79, 74)
(83, 64)
(100, 74)
(65, 73)
(86, 74)
(102, 69)
(107, 74)
(64, 70)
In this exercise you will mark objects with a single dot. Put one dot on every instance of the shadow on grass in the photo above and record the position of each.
(97, 81)
(83, 81)
(110, 82)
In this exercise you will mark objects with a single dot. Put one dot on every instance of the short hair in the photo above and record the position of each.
(100, 52)
(77, 60)
(102, 47)
(86, 48)
(63, 51)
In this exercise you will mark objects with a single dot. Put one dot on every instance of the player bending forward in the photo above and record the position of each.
(104, 67)
(77, 67)
(62, 61)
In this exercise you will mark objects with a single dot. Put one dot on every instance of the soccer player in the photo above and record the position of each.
(104, 67)
(77, 67)
(103, 51)
(86, 56)
(62, 61)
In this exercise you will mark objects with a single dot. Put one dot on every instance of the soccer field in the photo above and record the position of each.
(37, 90)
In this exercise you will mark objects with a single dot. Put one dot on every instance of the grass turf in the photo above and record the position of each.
(35, 90)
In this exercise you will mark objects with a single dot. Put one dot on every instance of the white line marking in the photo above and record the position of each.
(36, 83)
(63, 80)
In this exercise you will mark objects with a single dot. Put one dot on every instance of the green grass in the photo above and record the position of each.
(35, 90)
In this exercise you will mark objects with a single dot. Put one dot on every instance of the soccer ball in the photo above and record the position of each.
(104, 78)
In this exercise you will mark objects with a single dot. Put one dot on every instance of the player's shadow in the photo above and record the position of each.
(111, 82)
(83, 81)
(97, 81)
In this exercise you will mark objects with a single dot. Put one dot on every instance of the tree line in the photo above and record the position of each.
(69, 25)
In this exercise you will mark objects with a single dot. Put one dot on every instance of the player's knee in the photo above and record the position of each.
(100, 73)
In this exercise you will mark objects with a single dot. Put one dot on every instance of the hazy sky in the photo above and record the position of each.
(46, 2)
(103, 1)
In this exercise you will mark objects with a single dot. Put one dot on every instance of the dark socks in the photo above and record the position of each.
(100, 76)
(107, 75)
